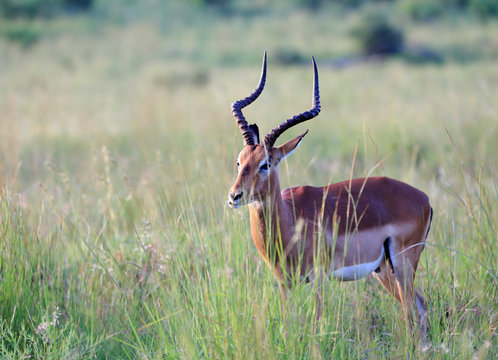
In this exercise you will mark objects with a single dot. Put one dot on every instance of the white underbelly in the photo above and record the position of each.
(358, 271)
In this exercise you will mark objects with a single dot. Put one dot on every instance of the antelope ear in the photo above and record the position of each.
(289, 147)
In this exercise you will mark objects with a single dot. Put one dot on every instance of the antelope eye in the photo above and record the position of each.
(238, 164)
(264, 167)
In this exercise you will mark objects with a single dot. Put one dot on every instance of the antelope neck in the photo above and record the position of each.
(271, 214)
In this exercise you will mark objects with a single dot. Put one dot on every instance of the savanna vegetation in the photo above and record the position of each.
(117, 149)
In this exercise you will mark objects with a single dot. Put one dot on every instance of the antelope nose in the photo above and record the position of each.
(233, 199)
(237, 197)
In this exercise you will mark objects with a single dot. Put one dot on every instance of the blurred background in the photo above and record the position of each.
(155, 78)
(76, 74)
(117, 149)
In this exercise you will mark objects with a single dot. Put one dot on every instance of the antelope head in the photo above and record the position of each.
(257, 163)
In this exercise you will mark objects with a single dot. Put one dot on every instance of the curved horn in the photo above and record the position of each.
(248, 131)
(307, 115)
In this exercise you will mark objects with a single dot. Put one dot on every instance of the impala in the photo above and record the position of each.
(369, 225)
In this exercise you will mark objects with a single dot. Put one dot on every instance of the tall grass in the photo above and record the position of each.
(116, 156)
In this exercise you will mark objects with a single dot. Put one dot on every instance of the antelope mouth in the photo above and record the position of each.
(235, 200)
(234, 204)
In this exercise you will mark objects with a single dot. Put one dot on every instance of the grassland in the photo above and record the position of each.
(117, 149)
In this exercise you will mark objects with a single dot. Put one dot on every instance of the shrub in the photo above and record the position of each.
(456, 4)
(484, 8)
(421, 10)
(78, 4)
(40, 8)
(212, 3)
(377, 36)
(286, 56)
(421, 55)
(309, 4)
(347, 4)
(24, 34)
(24, 8)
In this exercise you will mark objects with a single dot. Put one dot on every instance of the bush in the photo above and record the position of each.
(24, 34)
(212, 3)
(40, 8)
(377, 36)
(78, 4)
(484, 8)
(285, 56)
(421, 55)
(309, 4)
(24, 8)
(347, 4)
(421, 10)
(456, 4)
